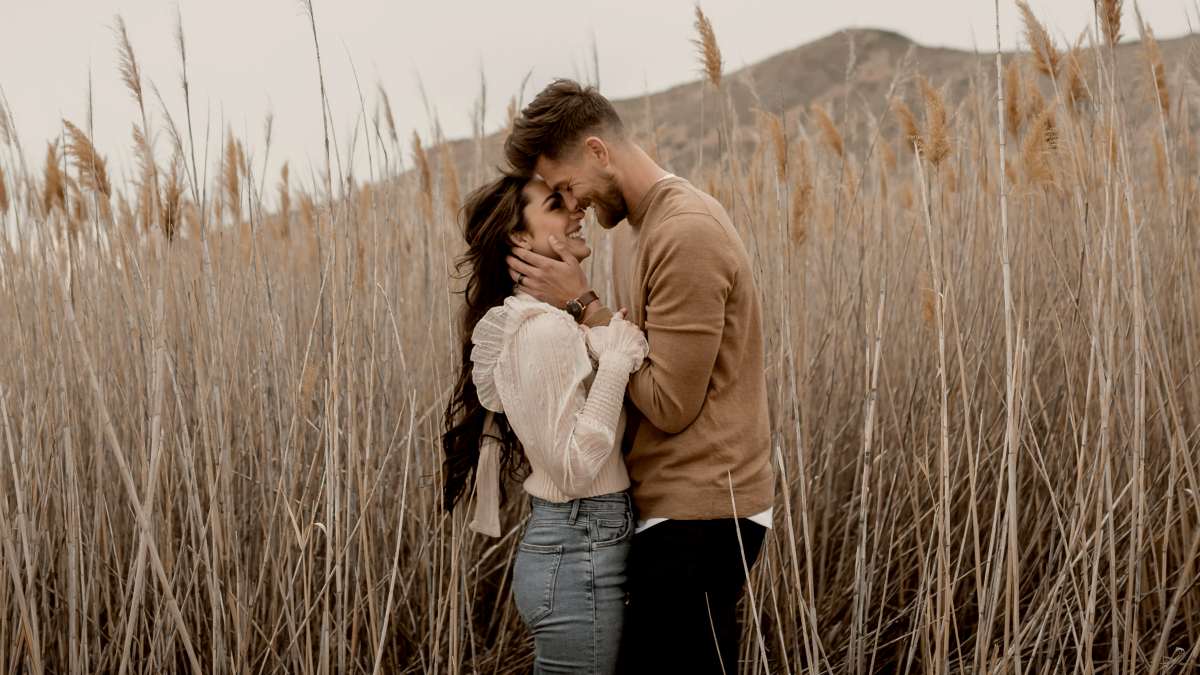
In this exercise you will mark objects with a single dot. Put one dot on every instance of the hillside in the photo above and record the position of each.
(668, 122)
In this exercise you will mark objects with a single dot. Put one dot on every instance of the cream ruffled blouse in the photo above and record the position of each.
(561, 386)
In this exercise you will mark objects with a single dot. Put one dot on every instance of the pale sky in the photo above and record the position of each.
(248, 56)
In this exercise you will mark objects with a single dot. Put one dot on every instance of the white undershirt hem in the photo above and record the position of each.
(763, 519)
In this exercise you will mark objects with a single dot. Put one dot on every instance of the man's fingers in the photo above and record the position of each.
(531, 257)
(560, 247)
(517, 267)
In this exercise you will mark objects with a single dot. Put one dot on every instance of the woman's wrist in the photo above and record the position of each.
(620, 358)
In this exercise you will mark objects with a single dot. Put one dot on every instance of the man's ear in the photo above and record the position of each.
(597, 148)
(521, 239)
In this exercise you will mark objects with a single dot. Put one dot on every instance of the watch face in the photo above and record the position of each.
(574, 309)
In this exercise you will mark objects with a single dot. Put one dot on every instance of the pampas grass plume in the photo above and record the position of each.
(829, 131)
(3, 192)
(421, 161)
(1046, 56)
(230, 184)
(1076, 85)
(1110, 19)
(1037, 146)
(54, 191)
(1154, 59)
(387, 113)
(172, 199)
(285, 201)
(89, 164)
(909, 126)
(770, 126)
(937, 133)
(131, 74)
(450, 194)
(1013, 110)
(710, 52)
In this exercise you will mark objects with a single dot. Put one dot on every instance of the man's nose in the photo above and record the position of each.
(570, 201)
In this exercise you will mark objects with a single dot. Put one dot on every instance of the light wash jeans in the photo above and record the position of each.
(569, 581)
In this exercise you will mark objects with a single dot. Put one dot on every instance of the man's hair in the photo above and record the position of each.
(559, 116)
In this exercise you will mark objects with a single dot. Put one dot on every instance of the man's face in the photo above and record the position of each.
(583, 178)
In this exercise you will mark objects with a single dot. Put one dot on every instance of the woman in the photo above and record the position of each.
(537, 388)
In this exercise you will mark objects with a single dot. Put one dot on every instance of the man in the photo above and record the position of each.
(699, 460)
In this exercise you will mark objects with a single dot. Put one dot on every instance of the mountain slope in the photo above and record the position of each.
(670, 122)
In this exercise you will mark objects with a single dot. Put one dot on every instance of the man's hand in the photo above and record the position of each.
(551, 281)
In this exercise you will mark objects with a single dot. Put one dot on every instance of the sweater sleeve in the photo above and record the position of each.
(690, 272)
(576, 428)
(600, 317)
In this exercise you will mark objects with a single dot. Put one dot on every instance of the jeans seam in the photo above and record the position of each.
(592, 602)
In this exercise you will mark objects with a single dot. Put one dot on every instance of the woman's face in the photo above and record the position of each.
(546, 214)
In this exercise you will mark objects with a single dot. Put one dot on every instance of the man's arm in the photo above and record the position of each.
(691, 269)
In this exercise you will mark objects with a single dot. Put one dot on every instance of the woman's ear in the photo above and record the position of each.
(521, 239)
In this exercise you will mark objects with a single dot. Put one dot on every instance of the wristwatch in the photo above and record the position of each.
(575, 307)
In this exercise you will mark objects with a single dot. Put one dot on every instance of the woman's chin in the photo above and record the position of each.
(577, 248)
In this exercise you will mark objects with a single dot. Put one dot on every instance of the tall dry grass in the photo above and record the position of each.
(219, 410)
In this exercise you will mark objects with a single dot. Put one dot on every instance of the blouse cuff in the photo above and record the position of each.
(486, 520)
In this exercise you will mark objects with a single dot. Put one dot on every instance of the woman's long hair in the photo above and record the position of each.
(491, 213)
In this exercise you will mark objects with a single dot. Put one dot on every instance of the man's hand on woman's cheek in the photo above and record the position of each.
(549, 280)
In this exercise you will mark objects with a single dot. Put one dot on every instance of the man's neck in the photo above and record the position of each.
(638, 176)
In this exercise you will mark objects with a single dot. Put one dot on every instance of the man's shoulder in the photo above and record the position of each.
(680, 193)
(691, 214)
(683, 201)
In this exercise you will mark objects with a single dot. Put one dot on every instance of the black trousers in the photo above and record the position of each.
(685, 580)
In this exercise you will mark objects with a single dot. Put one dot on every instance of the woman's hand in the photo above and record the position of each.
(619, 339)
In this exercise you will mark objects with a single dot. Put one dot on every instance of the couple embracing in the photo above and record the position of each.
(644, 431)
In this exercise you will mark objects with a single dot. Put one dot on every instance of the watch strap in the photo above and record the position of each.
(577, 306)
(587, 299)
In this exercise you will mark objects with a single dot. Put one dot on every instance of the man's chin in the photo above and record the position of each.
(609, 221)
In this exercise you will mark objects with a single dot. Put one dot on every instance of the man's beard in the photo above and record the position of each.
(609, 205)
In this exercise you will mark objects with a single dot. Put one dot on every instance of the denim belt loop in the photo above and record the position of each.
(574, 510)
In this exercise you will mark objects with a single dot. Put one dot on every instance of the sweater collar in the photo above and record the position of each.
(638, 213)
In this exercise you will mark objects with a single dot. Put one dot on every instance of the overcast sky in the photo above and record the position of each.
(248, 56)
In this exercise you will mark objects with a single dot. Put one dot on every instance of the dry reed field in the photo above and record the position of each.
(221, 392)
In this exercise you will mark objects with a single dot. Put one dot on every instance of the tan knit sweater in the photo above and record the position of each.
(682, 271)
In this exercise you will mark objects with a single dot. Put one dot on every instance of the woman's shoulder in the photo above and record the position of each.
(521, 313)
(541, 327)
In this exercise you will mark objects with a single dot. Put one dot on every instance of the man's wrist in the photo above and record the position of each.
(589, 310)
(577, 295)
(578, 305)
(599, 315)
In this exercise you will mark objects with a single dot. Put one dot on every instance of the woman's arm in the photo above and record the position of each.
(576, 428)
